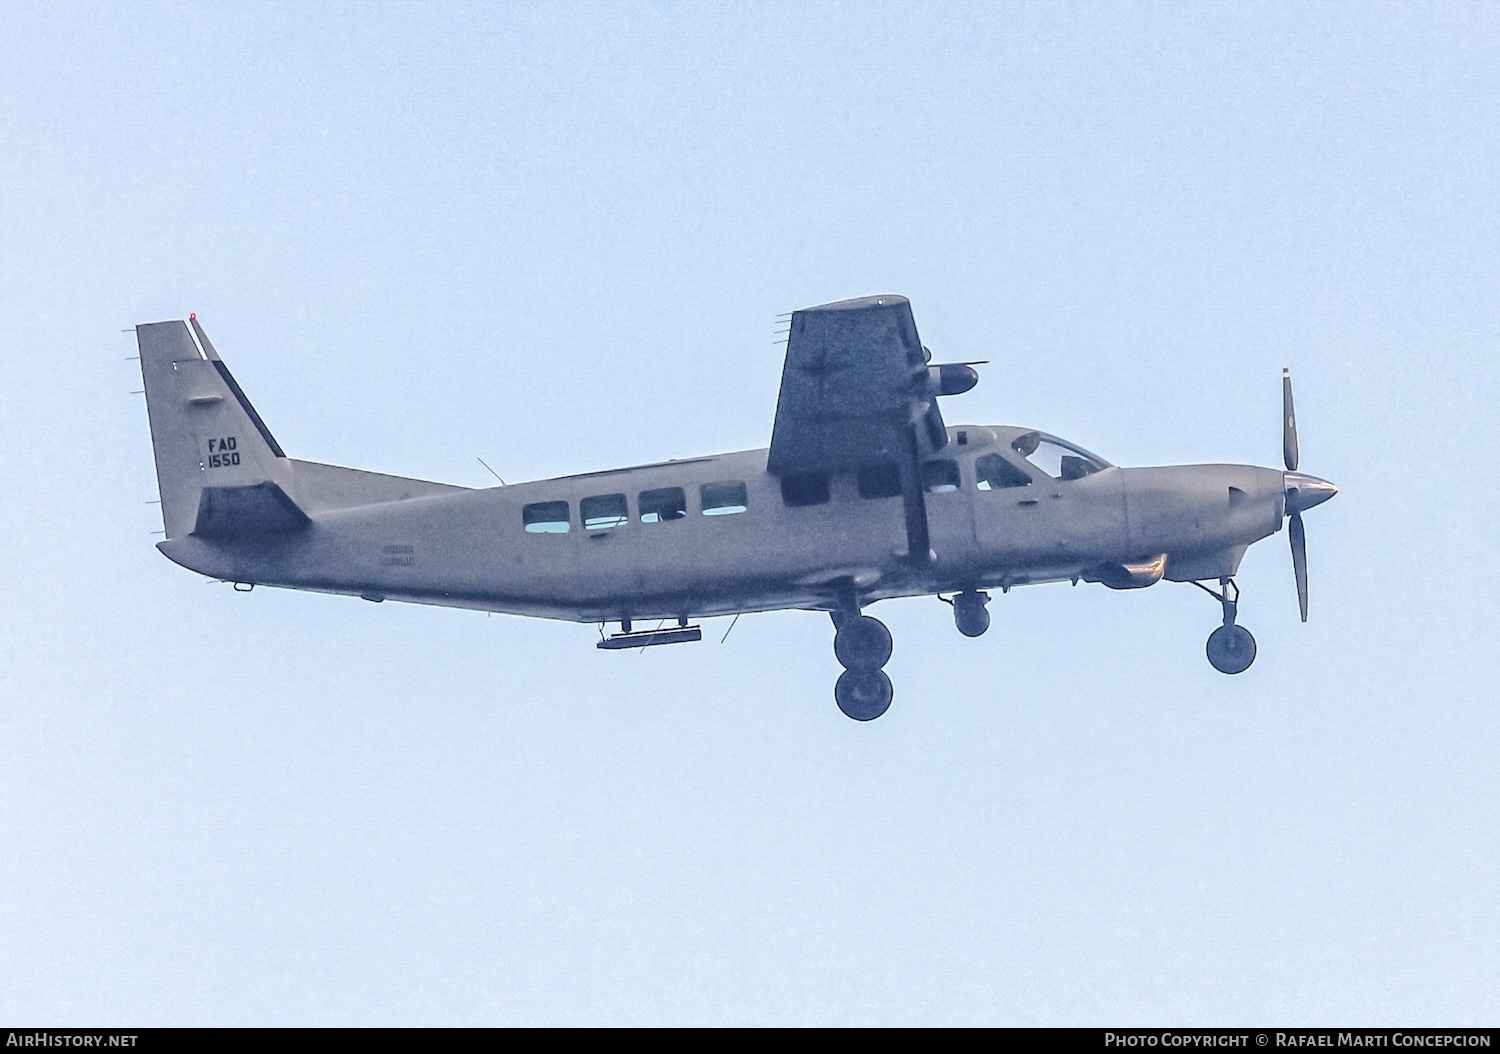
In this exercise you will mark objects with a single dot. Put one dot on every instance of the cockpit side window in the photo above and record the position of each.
(1075, 467)
(993, 472)
(1058, 459)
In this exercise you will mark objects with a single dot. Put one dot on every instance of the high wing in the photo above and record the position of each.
(853, 386)
(857, 391)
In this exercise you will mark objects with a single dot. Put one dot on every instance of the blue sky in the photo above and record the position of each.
(557, 237)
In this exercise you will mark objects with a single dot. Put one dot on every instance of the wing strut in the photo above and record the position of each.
(914, 502)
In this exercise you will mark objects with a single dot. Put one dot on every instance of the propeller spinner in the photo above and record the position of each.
(1302, 491)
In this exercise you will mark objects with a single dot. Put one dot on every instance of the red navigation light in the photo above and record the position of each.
(193, 317)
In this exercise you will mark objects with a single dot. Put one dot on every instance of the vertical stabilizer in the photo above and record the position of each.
(204, 432)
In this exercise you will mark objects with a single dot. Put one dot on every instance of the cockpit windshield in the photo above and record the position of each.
(1058, 459)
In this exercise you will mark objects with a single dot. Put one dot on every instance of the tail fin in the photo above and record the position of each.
(219, 469)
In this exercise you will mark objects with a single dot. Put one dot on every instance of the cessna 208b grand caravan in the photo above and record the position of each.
(864, 494)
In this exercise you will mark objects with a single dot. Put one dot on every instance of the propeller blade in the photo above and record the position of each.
(1298, 538)
(1289, 422)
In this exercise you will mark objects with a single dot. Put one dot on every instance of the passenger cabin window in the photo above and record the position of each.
(666, 503)
(603, 511)
(993, 472)
(940, 477)
(546, 517)
(723, 499)
(879, 481)
(804, 488)
(1058, 459)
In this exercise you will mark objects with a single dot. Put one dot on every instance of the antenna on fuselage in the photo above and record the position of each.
(491, 471)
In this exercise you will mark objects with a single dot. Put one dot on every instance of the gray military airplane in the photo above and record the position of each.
(865, 494)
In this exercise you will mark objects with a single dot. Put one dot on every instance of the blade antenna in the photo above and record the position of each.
(491, 471)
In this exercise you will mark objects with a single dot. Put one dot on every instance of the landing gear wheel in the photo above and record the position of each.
(1231, 649)
(969, 613)
(863, 694)
(862, 643)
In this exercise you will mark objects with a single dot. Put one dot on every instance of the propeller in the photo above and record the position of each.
(1289, 422)
(1302, 491)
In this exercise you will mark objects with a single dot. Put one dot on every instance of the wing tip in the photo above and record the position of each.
(861, 303)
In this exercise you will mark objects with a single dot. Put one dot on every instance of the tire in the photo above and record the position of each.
(1231, 649)
(862, 643)
(863, 694)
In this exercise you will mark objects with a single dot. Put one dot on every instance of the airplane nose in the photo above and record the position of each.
(1304, 491)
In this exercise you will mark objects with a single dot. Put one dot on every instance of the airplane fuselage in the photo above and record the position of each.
(718, 535)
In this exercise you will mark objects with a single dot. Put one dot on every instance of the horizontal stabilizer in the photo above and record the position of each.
(264, 508)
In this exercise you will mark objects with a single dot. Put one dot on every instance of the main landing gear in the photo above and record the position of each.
(1230, 648)
(862, 645)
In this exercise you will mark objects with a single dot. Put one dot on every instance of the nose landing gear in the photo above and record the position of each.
(1231, 648)
(862, 645)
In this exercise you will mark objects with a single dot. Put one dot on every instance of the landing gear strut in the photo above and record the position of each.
(862, 645)
(1231, 648)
